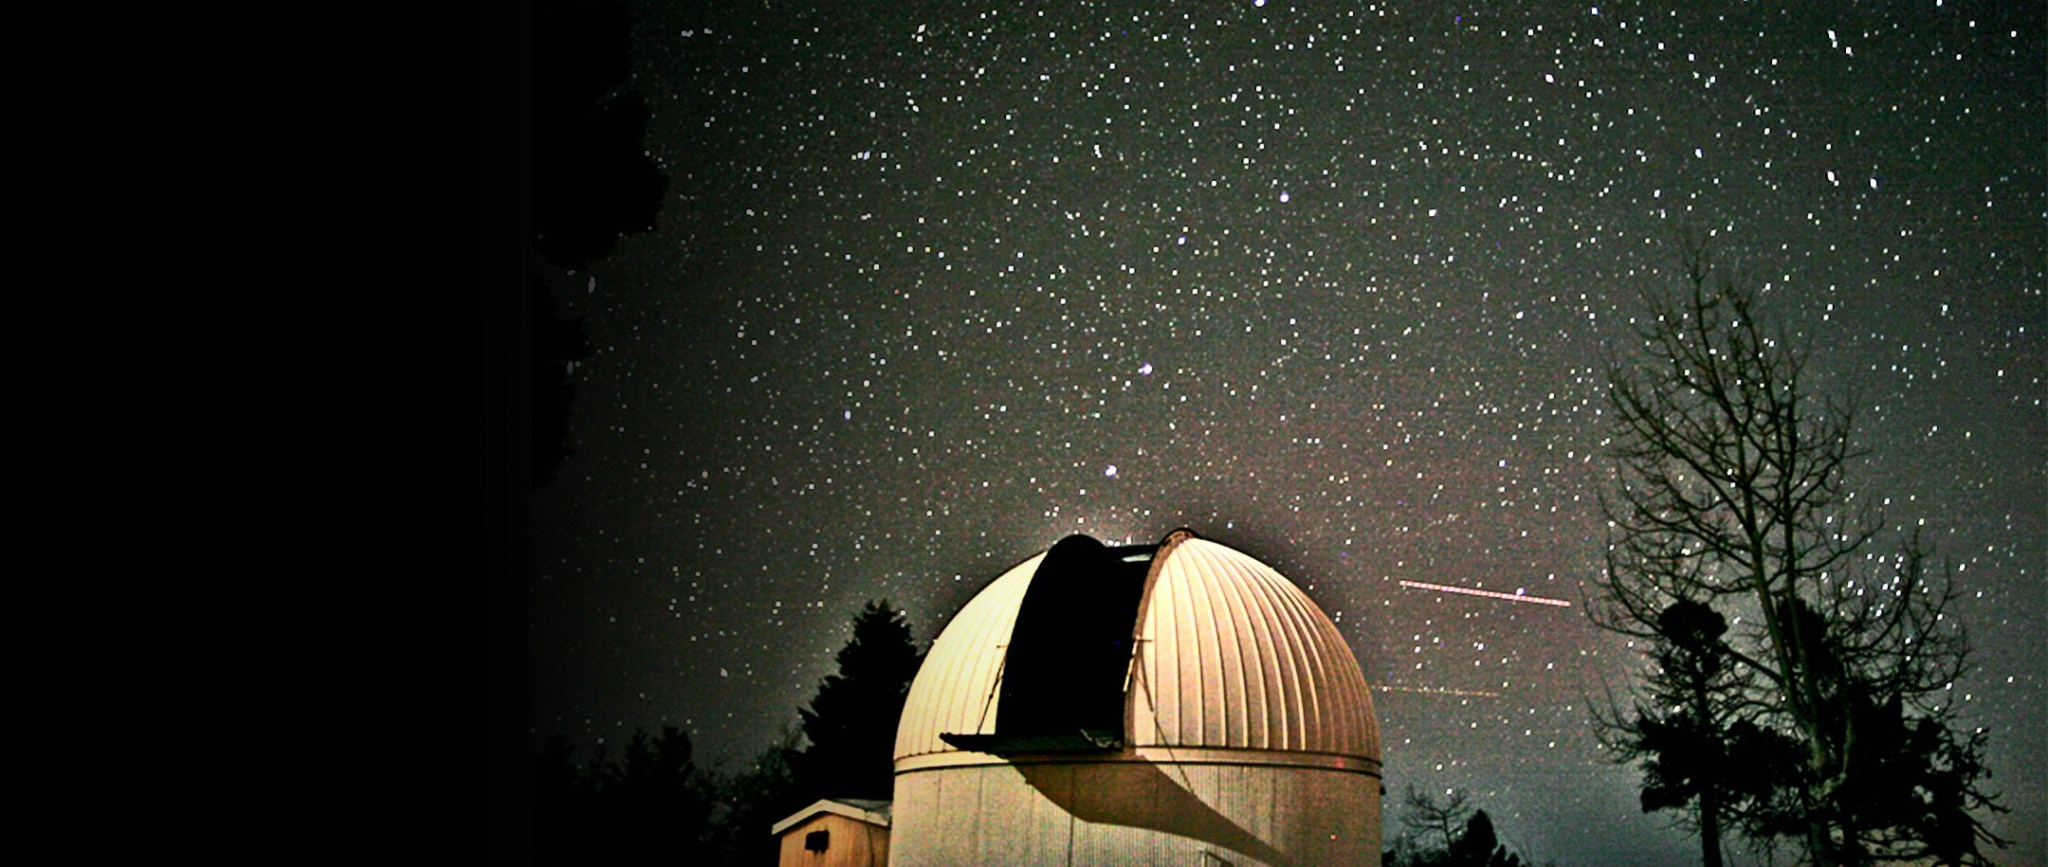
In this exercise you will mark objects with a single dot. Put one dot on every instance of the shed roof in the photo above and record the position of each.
(858, 809)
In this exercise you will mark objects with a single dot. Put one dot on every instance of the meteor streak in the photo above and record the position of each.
(1517, 596)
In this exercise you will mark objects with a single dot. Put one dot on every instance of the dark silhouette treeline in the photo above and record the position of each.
(652, 800)
(851, 723)
(593, 179)
(1447, 833)
(557, 343)
(593, 182)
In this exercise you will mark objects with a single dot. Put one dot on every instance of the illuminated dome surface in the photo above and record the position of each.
(1148, 704)
(1230, 655)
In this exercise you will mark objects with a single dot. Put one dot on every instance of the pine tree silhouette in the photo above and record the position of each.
(851, 723)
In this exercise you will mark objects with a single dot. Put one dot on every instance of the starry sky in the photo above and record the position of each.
(937, 284)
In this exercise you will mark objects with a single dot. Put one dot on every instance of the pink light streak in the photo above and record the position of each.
(1516, 596)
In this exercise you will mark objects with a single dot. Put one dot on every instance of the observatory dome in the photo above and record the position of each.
(1173, 698)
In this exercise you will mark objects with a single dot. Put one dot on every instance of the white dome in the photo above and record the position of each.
(960, 670)
(1229, 656)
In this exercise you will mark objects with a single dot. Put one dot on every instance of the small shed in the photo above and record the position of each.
(846, 832)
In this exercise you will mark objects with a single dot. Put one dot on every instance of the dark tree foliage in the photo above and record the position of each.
(557, 344)
(1433, 824)
(1732, 492)
(648, 804)
(851, 722)
(1479, 846)
(1908, 780)
(1687, 730)
(592, 179)
(561, 802)
(747, 802)
(1446, 833)
(653, 803)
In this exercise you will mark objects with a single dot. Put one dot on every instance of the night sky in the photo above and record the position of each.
(933, 287)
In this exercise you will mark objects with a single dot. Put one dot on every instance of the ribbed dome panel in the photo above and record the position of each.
(1230, 655)
(1233, 656)
(958, 678)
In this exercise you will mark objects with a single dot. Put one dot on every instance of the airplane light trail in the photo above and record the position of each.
(1516, 596)
(1437, 690)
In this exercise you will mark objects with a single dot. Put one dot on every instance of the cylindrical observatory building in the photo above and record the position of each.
(1179, 703)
